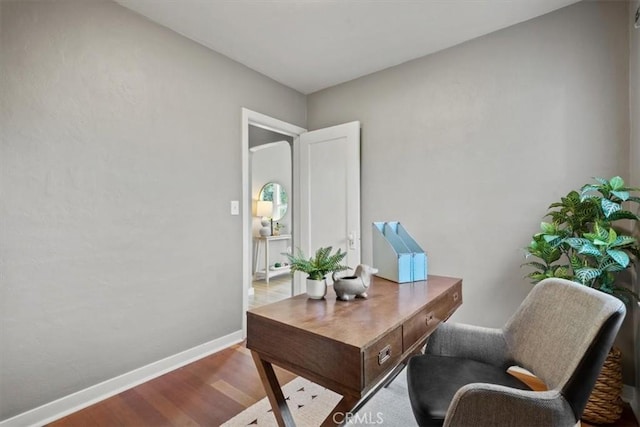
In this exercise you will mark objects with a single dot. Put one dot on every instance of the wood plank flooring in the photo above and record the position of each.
(279, 288)
(207, 393)
(204, 393)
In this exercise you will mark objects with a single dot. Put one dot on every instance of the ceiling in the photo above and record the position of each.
(310, 45)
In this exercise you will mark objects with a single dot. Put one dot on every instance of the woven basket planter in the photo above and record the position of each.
(605, 404)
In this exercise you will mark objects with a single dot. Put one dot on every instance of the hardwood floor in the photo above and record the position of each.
(207, 393)
(279, 288)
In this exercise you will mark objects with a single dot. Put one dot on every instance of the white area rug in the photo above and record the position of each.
(310, 404)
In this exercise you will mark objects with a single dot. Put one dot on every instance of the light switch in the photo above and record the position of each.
(235, 207)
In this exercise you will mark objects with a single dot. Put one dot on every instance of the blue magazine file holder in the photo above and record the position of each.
(396, 255)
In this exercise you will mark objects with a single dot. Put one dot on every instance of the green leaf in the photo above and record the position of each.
(609, 207)
(573, 198)
(318, 266)
(598, 242)
(624, 195)
(591, 236)
(536, 277)
(549, 238)
(548, 228)
(611, 265)
(620, 257)
(587, 188)
(623, 241)
(616, 183)
(575, 262)
(601, 180)
(602, 232)
(604, 287)
(576, 242)
(612, 237)
(535, 264)
(589, 249)
(562, 272)
(587, 274)
(622, 214)
(585, 195)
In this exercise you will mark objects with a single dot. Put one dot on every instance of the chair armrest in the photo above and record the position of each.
(486, 345)
(489, 405)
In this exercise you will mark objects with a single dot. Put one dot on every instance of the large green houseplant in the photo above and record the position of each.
(317, 267)
(584, 242)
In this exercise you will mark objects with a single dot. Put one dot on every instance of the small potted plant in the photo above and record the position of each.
(584, 243)
(317, 268)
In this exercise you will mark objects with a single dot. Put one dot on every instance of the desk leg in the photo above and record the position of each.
(274, 392)
(341, 412)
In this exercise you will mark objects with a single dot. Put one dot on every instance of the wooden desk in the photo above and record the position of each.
(347, 346)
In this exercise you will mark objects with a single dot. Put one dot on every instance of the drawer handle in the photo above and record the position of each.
(455, 296)
(430, 318)
(384, 355)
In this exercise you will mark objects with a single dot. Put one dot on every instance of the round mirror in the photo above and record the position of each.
(274, 192)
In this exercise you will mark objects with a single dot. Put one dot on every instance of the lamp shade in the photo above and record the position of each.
(264, 208)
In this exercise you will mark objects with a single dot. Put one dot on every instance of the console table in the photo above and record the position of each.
(266, 240)
(347, 346)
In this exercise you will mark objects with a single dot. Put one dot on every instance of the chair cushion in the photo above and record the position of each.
(433, 380)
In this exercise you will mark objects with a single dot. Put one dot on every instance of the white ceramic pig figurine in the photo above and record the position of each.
(350, 287)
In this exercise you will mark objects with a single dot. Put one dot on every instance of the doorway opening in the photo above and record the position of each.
(271, 178)
(254, 127)
(325, 193)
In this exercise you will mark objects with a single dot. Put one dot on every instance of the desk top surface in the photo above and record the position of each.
(356, 322)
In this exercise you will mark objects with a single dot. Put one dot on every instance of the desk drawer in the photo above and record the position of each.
(383, 355)
(427, 320)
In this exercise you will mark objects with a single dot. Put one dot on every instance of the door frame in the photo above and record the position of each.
(263, 121)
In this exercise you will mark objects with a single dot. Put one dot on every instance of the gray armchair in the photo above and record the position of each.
(562, 333)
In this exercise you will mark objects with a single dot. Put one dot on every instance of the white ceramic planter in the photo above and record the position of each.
(316, 289)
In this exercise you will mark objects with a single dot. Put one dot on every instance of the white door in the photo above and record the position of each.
(329, 171)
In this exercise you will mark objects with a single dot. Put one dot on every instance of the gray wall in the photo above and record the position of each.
(634, 113)
(467, 147)
(120, 152)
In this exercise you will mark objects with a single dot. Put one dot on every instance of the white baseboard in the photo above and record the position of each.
(74, 402)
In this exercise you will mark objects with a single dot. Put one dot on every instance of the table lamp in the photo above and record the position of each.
(264, 209)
